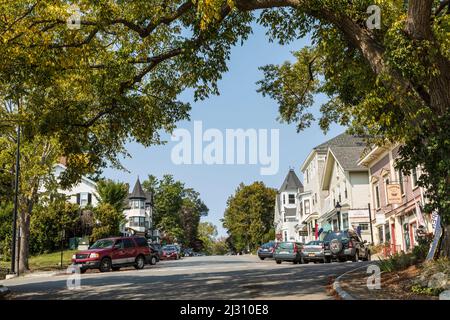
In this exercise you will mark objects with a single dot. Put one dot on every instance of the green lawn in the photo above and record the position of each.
(46, 262)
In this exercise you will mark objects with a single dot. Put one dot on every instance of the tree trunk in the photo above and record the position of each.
(444, 248)
(24, 224)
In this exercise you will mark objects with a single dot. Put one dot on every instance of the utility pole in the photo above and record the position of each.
(16, 200)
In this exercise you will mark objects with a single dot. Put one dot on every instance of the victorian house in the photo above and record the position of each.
(397, 201)
(286, 220)
(139, 213)
(348, 194)
(321, 173)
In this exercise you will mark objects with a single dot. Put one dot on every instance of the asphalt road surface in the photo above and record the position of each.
(201, 278)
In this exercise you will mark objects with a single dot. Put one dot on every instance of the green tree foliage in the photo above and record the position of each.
(220, 247)
(6, 218)
(117, 77)
(249, 215)
(177, 209)
(108, 221)
(49, 218)
(207, 232)
(113, 193)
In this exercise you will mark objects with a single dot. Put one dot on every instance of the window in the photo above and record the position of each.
(141, 242)
(128, 243)
(291, 198)
(284, 199)
(307, 175)
(84, 198)
(315, 196)
(380, 235)
(414, 178)
(285, 236)
(345, 221)
(386, 183)
(364, 226)
(301, 209)
(307, 207)
(345, 191)
(377, 197)
(137, 222)
(387, 233)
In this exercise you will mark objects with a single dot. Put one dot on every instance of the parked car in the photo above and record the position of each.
(345, 245)
(158, 250)
(189, 252)
(115, 253)
(170, 252)
(313, 251)
(288, 251)
(266, 250)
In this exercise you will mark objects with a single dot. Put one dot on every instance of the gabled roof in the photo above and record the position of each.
(342, 140)
(291, 182)
(137, 193)
(346, 157)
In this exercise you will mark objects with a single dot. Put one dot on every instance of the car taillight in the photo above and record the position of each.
(350, 244)
(272, 249)
(295, 248)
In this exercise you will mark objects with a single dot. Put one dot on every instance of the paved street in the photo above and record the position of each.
(214, 277)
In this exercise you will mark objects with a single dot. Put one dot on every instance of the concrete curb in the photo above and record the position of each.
(4, 291)
(344, 295)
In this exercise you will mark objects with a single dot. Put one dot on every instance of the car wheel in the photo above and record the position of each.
(327, 259)
(140, 262)
(355, 258)
(342, 259)
(105, 265)
(153, 260)
(262, 258)
(278, 261)
(115, 268)
(83, 270)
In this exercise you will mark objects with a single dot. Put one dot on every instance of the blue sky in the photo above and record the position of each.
(238, 106)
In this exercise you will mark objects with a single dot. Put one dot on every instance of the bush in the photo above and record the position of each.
(421, 251)
(426, 291)
(398, 262)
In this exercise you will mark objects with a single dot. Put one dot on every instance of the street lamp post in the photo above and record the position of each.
(338, 211)
(16, 203)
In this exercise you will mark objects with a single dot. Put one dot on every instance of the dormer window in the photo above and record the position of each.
(292, 199)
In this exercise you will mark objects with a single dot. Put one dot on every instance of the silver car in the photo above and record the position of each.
(314, 251)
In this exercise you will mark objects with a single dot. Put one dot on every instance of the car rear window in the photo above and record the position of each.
(336, 235)
(141, 242)
(286, 245)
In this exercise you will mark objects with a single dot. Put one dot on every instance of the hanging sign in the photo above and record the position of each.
(394, 194)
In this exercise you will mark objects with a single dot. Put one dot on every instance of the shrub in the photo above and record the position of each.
(426, 291)
(398, 262)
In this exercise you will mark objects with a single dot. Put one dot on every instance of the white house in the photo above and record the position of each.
(83, 193)
(347, 185)
(286, 220)
(139, 213)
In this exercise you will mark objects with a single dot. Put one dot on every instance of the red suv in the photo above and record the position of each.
(114, 253)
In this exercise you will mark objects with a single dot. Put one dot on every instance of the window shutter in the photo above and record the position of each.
(78, 198)
(89, 198)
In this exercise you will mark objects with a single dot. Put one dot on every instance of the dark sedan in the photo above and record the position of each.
(266, 250)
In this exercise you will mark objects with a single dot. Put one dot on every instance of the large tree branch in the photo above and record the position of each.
(418, 24)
